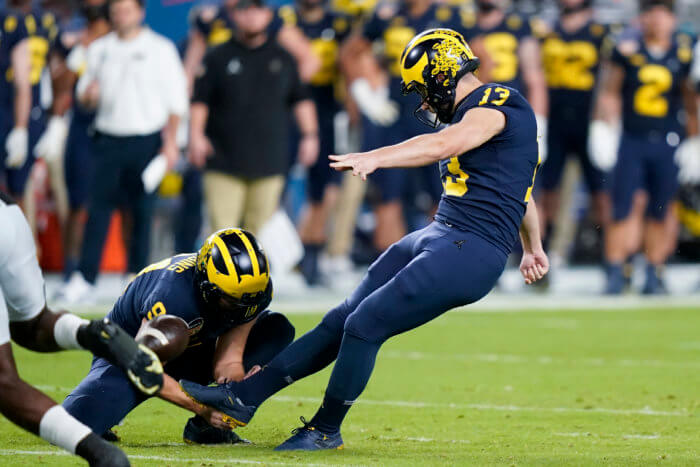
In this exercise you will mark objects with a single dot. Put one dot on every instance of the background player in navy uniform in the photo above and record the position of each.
(222, 292)
(572, 52)
(514, 53)
(326, 32)
(15, 99)
(375, 85)
(488, 158)
(213, 26)
(646, 88)
(42, 31)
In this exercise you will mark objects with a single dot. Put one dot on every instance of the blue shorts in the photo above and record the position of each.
(321, 174)
(565, 139)
(417, 279)
(79, 163)
(648, 166)
(16, 179)
(106, 395)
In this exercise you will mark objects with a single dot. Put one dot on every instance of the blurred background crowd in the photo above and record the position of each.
(133, 130)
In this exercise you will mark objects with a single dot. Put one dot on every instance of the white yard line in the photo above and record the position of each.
(577, 434)
(197, 460)
(539, 359)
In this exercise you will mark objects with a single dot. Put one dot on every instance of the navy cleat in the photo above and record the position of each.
(221, 398)
(615, 280)
(198, 431)
(107, 340)
(308, 438)
(654, 284)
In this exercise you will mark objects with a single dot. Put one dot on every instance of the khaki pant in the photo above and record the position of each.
(240, 202)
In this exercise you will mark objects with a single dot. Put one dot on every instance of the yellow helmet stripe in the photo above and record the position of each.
(251, 252)
(438, 35)
(226, 255)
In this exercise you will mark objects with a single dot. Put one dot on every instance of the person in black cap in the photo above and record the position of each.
(243, 97)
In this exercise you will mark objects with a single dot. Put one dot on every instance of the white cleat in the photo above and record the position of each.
(76, 291)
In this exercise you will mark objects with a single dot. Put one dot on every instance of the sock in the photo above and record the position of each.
(62, 430)
(65, 331)
(309, 354)
(309, 263)
(350, 376)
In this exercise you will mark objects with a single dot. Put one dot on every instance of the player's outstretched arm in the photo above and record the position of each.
(535, 263)
(476, 127)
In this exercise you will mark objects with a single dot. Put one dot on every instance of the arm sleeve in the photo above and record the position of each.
(174, 82)
(205, 84)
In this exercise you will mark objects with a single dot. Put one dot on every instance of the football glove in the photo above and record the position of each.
(688, 159)
(16, 145)
(603, 143)
(375, 104)
(542, 136)
(52, 143)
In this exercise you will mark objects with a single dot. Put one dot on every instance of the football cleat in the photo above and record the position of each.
(198, 431)
(308, 438)
(107, 340)
(615, 280)
(221, 398)
(654, 284)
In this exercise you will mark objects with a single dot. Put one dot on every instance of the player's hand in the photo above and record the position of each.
(361, 164)
(171, 153)
(603, 142)
(374, 104)
(214, 418)
(16, 146)
(200, 149)
(688, 160)
(52, 143)
(308, 150)
(534, 266)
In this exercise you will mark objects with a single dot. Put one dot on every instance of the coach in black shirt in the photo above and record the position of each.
(243, 96)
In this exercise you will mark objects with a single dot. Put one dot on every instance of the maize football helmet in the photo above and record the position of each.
(233, 278)
(431, 65)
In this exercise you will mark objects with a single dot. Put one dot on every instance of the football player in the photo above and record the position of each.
(222, 292)
(572, 53)
(42, 31)
(326, 31)
(645, 91)
(213, 26)
(374, 85)
(488, 157)
(25, 318)
(514, 52)
(15, 99)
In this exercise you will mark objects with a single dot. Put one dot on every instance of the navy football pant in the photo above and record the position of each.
(417, 279)
(106, 395)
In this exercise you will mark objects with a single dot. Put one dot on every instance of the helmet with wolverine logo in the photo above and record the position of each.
(233, 278)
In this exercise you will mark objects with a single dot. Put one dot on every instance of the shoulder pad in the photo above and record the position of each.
(597, 30)
(514, 22)
(30, 24)
(468, 18)
(685, 54)
(540, 28)
(10, 24)
(48, 20)
(340, 24)
(443, 13)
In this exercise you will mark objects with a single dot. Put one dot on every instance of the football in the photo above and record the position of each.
(166, 335)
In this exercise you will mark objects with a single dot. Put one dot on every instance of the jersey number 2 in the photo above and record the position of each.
(649, 100)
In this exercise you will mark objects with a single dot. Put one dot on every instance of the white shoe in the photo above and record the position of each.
(76, 291)
(335, 265)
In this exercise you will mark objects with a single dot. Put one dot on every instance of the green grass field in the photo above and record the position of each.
(479, 388)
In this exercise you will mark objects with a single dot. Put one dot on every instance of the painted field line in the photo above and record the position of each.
(538, 359)
(577, 434)
(199, 460)
(425, 440)
(501, 408)
(479, 406)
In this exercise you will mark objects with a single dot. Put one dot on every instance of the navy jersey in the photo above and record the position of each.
(571, 62)
(214, 23)
(166, 287)
(12, 32)
(502, 43)
(486, 190)
(326, 36)
(43, 31)
(652, 101)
